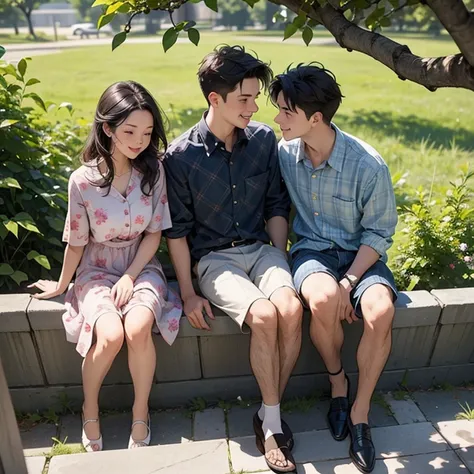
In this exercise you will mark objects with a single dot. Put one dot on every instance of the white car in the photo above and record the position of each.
(89, 29)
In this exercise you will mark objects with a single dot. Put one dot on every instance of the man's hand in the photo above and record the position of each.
(194, 306)
(346, 311)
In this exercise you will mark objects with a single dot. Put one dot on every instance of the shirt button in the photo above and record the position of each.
(316, 213)
(234, 186)
(314, 197)
(235, 202)
(127, 225)
(126, 212)
(231, 162)
(237, 224)
(313, 176)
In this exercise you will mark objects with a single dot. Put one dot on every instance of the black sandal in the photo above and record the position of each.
(277, 441)
(258, 429)
(339, 412)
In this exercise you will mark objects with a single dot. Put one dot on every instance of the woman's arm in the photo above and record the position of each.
(50, 289)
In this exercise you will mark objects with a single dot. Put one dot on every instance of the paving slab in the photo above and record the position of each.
(380, 415)
(35, 464)
(445, 463)
(467, 457)
(185, 458)
(170, 427)
(116, 430)
(317, 446)
(404, 411)
(38, 439)
(459, 433)
(442, 405)
(313, 419)
(209, 424)
(70, 428)
(239, 420)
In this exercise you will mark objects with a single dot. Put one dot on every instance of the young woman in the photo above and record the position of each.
(117, 210)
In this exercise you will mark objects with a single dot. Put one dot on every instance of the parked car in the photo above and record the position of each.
(84, 30)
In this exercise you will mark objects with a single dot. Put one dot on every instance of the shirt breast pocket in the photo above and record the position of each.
(347, 214)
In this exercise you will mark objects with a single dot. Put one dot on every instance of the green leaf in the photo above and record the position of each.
(169, 38)
(32, 81)
(125, 8)
(188, 25)
(12, 227)
(299, 21)
(307, 35)
(385, 21)
(290, 30)
(194, 36)
(7, 123)
(55, 241)
(27, 222)
(113, 8)
(14, 167)
(105, 20)
(5, 269)
(9, 183)
(38, 100)
(212, 4)
(22, 67)
(19, 277)
(413, 282)
(119, 38)
(66, 105)
(3, 231)
(41, 259)
(55, 223)
(3, 82)
(2, 51)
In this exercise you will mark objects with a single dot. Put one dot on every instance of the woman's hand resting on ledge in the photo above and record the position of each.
(49, 289)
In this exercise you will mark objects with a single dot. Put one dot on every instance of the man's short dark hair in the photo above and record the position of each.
(310, 87)
(227, 66)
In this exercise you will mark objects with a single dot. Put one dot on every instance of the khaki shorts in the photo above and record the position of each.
(233, 279)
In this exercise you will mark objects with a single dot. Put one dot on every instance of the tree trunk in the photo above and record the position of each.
(30, 23)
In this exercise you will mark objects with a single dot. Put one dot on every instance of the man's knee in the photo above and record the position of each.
(290, 309)
(323, 302)
(378, 309)
(262, 316)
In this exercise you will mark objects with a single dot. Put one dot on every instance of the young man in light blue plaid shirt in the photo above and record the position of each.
(345, 219)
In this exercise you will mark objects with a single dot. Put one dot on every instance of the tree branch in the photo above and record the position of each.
(448, 71)
(459, 22)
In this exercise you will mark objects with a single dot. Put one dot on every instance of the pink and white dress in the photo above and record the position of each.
(111, 227)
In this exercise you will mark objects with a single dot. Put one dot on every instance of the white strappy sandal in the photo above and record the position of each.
(90, 445)
(132, 443)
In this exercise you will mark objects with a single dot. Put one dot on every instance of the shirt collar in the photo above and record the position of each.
(336, 159)
(210, 141)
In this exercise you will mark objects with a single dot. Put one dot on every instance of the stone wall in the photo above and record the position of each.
(433, 342)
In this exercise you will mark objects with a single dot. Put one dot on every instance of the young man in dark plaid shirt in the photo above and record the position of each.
(228, 202)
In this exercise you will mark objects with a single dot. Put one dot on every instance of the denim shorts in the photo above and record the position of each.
(336, 263)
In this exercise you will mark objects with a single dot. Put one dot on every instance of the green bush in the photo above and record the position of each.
(36, 158)
(438, 247)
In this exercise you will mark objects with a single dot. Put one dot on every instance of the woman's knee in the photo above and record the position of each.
(109, 332)
(138, 325)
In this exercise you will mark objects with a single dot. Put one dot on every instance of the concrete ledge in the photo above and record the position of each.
(457, 304)
(172, 394)
(13, 313)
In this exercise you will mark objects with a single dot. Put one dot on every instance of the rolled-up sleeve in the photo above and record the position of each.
(179, 198)
(379, 218)
(277, 200)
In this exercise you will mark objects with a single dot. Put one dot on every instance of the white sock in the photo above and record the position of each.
(261, 412)
(272, 421)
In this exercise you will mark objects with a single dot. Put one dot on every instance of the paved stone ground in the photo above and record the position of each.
(414, 433)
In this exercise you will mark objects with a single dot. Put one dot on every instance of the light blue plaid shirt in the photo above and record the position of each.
(345, 202)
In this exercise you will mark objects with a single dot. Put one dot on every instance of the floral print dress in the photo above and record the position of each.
(111, 227)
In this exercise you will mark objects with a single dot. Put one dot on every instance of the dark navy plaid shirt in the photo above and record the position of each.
(215, 196)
